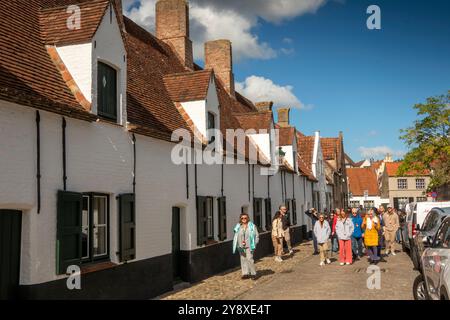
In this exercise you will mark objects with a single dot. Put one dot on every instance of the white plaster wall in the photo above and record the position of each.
(378, 201)
(196, 110)
(78, 60)
(262, 140)
(108, 47)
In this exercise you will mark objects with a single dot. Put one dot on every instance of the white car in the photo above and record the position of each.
(416, 212)
(434, 282)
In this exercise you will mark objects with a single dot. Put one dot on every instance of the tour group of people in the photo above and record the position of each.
(353, 233)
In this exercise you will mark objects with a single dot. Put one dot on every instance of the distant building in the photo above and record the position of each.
(405, 189)
(363, 187)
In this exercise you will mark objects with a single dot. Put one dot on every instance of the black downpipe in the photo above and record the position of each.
(134, 163)
(248, 178)
(187, 180)
(282, 191)
(221, 188)
(38, 160)
(268, 186)
(64, 155)
(293, 186)
(253, 181)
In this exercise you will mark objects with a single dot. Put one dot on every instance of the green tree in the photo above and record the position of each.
(428, 141)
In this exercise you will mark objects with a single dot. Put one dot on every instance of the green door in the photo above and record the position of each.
(176, 248)
(10, 236)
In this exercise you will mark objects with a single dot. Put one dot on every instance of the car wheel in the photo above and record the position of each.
(420, 289)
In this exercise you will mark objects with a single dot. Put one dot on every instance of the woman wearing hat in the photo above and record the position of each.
(245, 240)
(371, 226)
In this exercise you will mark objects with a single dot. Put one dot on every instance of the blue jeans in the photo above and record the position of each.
(373, 253)
(357, 246)
(398, 236)
(334, 244)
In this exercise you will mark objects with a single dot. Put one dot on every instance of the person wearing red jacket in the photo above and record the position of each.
(334, 239)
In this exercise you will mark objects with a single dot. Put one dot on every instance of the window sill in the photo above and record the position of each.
(94, 267)
(108, 121)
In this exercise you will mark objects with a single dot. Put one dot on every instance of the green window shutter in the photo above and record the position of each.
(202, 221)
(107, 91)
(294, 211)
(222, 202)
(69, 230)
(257, 212)
(268, 205)
(127, 227)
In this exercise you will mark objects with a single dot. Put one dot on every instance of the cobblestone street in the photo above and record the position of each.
(301, 278)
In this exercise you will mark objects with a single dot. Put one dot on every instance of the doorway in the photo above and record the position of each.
(10, 241)
(176, 244)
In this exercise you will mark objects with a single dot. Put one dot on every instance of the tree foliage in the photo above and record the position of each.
(428, 141)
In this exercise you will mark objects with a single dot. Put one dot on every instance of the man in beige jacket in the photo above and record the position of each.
(391, 225)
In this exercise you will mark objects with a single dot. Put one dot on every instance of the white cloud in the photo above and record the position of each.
(261, 89)
(373, 133)
(288, 40)
(380, 151)
(235, 20)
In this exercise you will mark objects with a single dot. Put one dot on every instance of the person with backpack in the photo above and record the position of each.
(344, 231)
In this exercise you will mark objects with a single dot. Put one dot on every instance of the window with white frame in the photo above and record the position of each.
(402, 184)
(94, 237)
(421, 199)
(354, 204)
(420, 183)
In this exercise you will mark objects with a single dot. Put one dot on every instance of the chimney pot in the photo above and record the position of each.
(219, 57)
(172, 26)
(264, 106)
(283, 117)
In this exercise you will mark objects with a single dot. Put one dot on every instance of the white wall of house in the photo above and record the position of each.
(318, 166)
(78, 60)
(108, 47)
(378, 201)
(99, 159)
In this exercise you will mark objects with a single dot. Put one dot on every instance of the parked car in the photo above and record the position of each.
(415, 215)
(434, 282)
(425, 232)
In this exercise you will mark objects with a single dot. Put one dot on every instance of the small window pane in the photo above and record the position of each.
(402, 183)
(100, 226)
(209, 214)
(420, 183)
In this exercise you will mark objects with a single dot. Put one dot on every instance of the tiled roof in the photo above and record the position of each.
(349, 160)
(286, 136)
(54, 18)
(330, 146)
(361, 179)
(392, 170)
(255, 120)
(377, 164)
(149, 103)
(305, 170)
(27, 74)
(306, 148)
(359, 163)
(188, 86)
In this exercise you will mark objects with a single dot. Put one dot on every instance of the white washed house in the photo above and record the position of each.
(86, 177)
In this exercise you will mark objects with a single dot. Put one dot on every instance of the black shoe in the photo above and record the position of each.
(245, 277)
(316, 253)
(382, 260)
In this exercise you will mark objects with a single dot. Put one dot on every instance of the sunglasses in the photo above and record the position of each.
(244, 218)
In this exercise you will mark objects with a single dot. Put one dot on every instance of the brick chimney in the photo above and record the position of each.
(283, 117)
(172, 26)
(264, 106)
(219, 56)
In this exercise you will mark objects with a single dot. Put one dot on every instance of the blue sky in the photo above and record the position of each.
(359, 81)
